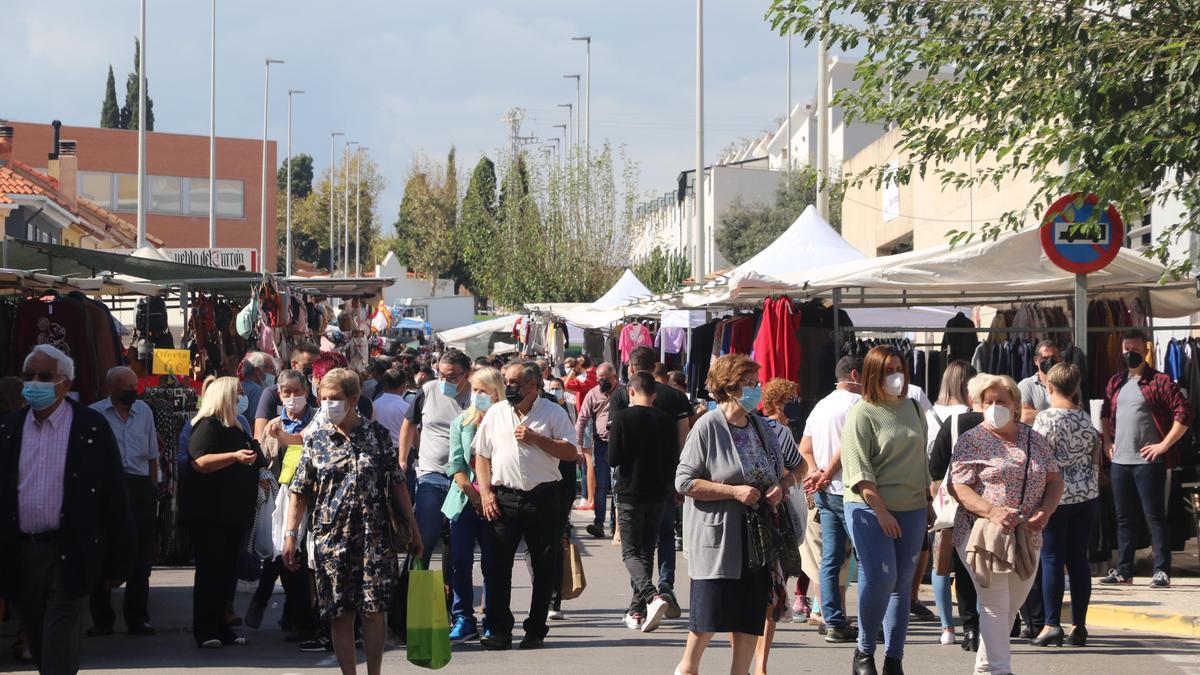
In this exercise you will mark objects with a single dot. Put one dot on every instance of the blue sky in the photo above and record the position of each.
(409, 77)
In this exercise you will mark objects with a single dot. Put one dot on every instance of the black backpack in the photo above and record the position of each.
(151, 317)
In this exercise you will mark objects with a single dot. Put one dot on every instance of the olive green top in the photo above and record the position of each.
(884, 443)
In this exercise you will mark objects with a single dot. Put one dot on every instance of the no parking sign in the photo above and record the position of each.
(1081, 252)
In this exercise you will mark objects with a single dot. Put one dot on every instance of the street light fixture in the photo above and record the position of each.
(212, 134)
(141, 187)
(358, 209)
(346, 219)
(578, 108)
(332, 212)
(572, 137)
(587, 117)
(288, 187)
(262, 210)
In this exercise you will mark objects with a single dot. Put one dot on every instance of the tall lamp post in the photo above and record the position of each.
(141, 187)
(572, 136)
(262, 210)
(332, 174)
(346, 218)
(700, 260)
(587, 115)
(578, 108)
(358, 210)
(212, 133)
(288, 199)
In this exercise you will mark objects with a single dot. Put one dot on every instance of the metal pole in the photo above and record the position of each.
(332, 173)
(288, 198)
(823, 122)
(1080, 317)
(358, 212)
(699, 263)
(262, 210)
(212, 134)
(837, 325)
(572, 129)
(141, 186)
(788, 145)
(578, 107)
(587, 116)
(346, 219)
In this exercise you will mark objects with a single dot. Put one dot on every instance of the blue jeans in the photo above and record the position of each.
(833, 555)
(603, 481)
(666, 548)
(943, 598)
(1065, 542)
(1139, 488)
(464, 532)
(885, 571)
(432, 489)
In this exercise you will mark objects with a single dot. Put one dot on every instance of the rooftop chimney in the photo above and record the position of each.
(68, 185)
(6, 143)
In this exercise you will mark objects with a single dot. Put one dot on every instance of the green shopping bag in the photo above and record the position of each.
(428, 629)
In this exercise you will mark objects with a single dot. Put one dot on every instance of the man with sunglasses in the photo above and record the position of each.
(64, 514)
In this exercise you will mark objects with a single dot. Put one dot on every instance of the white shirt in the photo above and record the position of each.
(918, 394)
(942, 413)
(389, 411)
(824, 426)
(522, 466)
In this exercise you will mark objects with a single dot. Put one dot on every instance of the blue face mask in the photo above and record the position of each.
(39, 395)
(481, 401)
(448, 388)
(751, 398)
(268, 380)
(243, 404)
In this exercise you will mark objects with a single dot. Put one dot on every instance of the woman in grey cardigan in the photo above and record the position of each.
(729, 462)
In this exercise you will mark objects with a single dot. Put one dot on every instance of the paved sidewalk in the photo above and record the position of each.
(1169, 611)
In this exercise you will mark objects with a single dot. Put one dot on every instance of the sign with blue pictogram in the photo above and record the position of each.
(1081, 252)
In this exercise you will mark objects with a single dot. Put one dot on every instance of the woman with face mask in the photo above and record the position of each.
(218, 506)
(1003, 474)
(346, 471)
(886, 474)
(730, 462)
(465, 509)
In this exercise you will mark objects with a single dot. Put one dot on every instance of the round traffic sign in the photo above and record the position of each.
(1081, 253)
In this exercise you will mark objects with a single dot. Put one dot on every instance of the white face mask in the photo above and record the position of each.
(294, 405)
(894, 384)
(997, 416)
(335, 411)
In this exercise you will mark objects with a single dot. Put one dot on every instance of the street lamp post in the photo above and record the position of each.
(332, 212)
(262, 211)
(346, 219)
(698, 249)
(288, 187)
(141, 187)
(578, 108)
(587, 116)
(573, 135)
(358, 210)
(212, 133)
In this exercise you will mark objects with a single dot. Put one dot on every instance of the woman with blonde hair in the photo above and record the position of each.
(218, 505)
(464, 508)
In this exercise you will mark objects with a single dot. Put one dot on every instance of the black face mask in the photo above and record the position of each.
(1047, 364)
(606, 386)
(308, 372)
(512, 394)
(127, 398)
(1133, 359)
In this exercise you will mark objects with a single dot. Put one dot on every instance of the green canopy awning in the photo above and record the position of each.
(59, 260)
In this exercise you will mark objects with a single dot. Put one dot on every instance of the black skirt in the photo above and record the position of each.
(731, 605)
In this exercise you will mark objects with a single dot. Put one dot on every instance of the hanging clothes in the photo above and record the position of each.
(634, 335)
(776, 347)
(960, 345)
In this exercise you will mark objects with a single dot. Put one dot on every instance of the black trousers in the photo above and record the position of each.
(1033, 611)
(566, 500)
(52, 618)
(217, 548)
(297, 602)
(968, 599)
(143, 506)
(532, 516)
(640, 523)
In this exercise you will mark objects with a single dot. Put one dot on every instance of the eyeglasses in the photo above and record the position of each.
(40, 376)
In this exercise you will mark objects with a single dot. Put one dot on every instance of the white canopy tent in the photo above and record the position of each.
(475, 339)
(605, 311)
(627, 289)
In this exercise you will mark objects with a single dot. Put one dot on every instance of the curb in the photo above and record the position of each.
(1112, 616)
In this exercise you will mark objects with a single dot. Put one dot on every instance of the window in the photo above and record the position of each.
(166, 194)
(230, 201)
(198, 196)
(126, 192)
(97, 187)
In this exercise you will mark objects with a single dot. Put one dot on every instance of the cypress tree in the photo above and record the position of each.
(110, 114)
(129, 113)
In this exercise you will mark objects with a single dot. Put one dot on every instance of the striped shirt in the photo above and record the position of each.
(42, 465)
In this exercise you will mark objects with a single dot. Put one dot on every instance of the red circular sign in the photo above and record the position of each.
(1079, 253)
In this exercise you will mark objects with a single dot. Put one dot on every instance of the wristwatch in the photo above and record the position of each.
(291, 533)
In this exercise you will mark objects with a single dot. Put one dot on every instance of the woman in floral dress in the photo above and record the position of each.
(347, 467)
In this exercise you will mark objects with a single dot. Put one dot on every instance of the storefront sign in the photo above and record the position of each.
(245, 259)
(1081, 252)
(171, 361)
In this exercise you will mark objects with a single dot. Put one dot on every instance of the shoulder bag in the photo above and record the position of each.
(945, 507)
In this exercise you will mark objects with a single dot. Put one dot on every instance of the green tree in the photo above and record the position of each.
(662, 271)
(302, 175)
(477, 227)
(110, 113)
(747, 229)
(1092, 96)
(129, 113)
(310, 217)
(406, 219)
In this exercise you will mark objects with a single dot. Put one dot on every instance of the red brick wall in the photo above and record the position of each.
(115, 150)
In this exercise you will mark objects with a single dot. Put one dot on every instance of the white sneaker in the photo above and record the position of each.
(633, 621)
(655, 612)
(556, 615)
(948, 637)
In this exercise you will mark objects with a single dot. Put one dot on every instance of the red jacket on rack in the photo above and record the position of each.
(776, 347)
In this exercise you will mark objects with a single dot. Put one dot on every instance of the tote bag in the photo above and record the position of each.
(574, 580)
(428, 629)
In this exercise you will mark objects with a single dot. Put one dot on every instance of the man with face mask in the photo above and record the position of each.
(1034, 397)
(269, 404)
(64, 515)
(594, 410)
(432, 412)
(132, 423)
(518, 447)
(1144, 416)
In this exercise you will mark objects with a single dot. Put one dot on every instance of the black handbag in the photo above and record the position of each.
(764, 541)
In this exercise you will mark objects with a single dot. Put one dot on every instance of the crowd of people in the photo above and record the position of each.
(337, 479)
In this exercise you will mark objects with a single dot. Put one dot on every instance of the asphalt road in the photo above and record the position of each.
(591, 640)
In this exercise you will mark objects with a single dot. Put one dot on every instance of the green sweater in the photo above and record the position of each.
(461, 461)
(884, 443)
